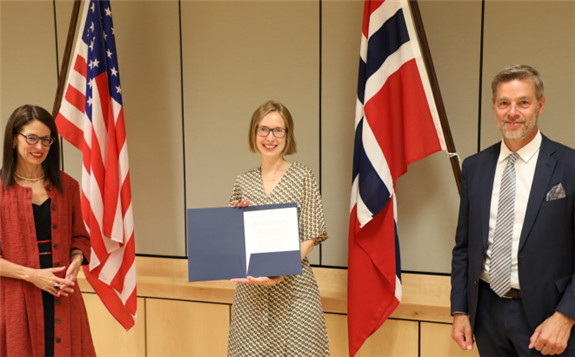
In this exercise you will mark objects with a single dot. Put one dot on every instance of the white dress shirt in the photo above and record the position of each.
(524, 169)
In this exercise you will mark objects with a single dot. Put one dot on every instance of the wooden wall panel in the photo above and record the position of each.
(147, 35)
(341, 28)
(394, 338)
(110, 338)
(427, 196)
(436, 342)
(183, 328)
(237, 55)
(548, 46)
(28, 56)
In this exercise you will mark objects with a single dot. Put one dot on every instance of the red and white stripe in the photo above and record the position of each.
(106, 194)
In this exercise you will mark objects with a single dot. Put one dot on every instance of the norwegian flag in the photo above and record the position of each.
(396, 124)
(91, 117)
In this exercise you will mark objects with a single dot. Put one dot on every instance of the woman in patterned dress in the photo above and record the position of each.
(43, 243)
(281, 315)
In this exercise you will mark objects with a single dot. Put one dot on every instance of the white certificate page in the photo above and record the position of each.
(270, 230)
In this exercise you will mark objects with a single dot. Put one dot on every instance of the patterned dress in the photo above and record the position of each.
(285, 319)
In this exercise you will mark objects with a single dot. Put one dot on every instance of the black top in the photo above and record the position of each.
(43, 222)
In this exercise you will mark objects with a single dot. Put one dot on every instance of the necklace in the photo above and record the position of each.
(276, 174)
(28, 178)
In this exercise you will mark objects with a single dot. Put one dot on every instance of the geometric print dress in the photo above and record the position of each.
(285, 319)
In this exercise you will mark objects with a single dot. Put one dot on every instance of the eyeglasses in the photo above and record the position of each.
(33, 140)
(264, 131)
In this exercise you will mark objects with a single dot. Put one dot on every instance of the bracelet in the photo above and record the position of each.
(77, 253)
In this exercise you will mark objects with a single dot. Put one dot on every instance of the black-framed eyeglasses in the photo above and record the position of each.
(33, 140)
(264, 131)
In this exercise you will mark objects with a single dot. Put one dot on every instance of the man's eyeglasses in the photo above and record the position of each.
(264, 131)
(33, 140)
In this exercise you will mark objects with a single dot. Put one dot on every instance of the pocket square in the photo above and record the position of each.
(556, 192)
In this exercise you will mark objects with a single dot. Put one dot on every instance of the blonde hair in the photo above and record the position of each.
(519, 72)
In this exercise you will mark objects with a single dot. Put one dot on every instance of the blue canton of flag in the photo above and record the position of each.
(101, 50)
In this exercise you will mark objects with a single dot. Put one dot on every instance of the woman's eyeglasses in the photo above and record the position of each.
(33, 140)
(264, 131)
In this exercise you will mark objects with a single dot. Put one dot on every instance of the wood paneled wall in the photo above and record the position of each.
(178, 318)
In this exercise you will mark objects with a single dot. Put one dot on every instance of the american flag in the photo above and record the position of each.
(396, 124)
(91, 117)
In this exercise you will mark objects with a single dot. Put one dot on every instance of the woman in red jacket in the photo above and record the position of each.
(43, 243)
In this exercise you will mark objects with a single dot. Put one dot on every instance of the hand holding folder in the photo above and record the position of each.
(228, 242)
(262, 280)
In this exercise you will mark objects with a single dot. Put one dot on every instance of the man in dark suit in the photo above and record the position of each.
(513, 274)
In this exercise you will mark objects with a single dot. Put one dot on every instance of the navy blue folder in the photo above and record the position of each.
(216, 246)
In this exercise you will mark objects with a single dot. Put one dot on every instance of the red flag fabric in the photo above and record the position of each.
(91, 117)
(396, 124)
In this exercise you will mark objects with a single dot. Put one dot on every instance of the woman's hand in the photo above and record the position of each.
(75, 263)
(262, 280)
(240, 203)
(47, 280)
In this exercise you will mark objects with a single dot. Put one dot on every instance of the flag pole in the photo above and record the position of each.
(426, 53)
(66, 59)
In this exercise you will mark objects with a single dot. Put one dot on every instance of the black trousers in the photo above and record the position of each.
(501, 327)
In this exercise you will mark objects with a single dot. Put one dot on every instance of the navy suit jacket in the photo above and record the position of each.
(546, 257)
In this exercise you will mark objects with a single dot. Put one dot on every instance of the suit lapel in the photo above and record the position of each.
(543, 172)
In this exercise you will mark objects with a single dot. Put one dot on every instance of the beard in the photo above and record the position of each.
(518, 133)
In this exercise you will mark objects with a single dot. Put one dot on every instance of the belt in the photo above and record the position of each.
(513, 294)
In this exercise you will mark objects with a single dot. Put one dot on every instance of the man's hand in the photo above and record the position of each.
(461, 331)
(551, 337)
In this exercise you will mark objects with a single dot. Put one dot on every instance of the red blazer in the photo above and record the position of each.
(21, 312)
